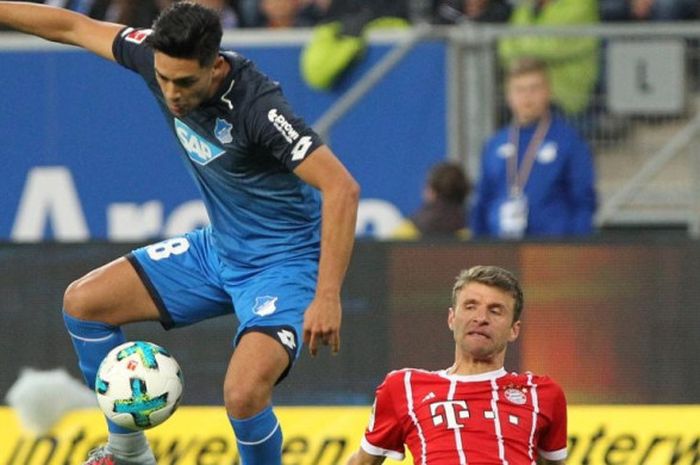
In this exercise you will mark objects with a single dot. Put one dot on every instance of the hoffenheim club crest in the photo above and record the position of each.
(265, 305)
(222, 131)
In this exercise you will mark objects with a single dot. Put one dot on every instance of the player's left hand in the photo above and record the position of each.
(322, 323)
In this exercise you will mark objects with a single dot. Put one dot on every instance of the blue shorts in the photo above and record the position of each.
(189, 283)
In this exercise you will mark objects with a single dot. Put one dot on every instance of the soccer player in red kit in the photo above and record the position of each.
(475, 412)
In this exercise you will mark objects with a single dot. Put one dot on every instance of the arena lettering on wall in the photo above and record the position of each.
(598, 435)
(51, 196)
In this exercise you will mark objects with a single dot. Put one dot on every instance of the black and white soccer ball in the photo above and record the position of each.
(139, 385)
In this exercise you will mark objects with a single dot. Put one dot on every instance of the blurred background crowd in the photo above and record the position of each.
(305, 13)
(569, 82)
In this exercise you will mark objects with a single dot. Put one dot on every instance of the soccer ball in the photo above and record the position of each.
(138, 385)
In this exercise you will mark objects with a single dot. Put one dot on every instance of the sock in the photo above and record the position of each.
(131, 448)
(259, 438)
(92, 341)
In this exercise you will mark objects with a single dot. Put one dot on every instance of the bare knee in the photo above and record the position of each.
(112, 294)
(85, 299)
(250, 378)
(245, 399)
(77, 301)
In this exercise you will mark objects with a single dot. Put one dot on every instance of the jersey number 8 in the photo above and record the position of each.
(165, 249)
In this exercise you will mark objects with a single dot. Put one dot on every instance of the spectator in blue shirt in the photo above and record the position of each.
(537, 176)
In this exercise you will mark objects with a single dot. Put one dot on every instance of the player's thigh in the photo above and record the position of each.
(113, 293)
(250, 377)
(182, 276)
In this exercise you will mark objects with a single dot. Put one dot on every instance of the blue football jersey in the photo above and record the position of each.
(241, 147)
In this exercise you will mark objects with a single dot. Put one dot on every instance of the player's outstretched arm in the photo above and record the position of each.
(60, 25)
(341, 195)
(363, 458)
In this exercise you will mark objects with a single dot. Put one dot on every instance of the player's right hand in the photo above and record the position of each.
(322, 324)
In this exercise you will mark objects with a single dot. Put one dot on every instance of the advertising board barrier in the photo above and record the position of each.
(598, 435)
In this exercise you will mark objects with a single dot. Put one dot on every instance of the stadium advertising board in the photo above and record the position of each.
(91, 158)
(612, 323)
(598, 435)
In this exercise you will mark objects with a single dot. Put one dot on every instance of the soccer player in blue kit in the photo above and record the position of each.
(275, 254)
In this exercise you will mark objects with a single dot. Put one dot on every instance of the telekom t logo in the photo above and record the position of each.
(449, 411)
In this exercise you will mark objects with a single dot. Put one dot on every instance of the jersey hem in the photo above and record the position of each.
(380, 452)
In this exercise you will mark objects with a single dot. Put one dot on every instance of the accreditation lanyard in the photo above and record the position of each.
(517, 177)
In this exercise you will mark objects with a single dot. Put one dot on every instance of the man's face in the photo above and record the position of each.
(184, 83)
(482, 321)
(528, 96)
(281, 10)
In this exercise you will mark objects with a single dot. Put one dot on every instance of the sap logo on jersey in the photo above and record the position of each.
(197, 147)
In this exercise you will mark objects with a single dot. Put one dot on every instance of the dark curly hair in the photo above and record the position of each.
(187, 30)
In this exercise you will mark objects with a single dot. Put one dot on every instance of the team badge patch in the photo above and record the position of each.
(515, 395)
(137, 36)
(222, 131)
(265, 305)
(199, 149)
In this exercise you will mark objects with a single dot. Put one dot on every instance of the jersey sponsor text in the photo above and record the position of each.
(197, 147)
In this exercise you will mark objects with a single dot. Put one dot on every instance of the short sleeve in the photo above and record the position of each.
(552, 443)
(272, 125)
(384, 434)
(132, 51)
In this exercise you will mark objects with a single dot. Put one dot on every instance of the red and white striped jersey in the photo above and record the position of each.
(497, 418)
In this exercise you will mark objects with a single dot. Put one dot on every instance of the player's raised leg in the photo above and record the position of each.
(96, 305)
(94, 308)
(248, 397)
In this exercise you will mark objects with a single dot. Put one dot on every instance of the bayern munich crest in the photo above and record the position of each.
(516, 396)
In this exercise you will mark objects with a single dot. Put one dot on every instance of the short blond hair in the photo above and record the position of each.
(527, 65)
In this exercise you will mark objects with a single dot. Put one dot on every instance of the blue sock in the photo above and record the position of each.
(259, 438)
(92, 340)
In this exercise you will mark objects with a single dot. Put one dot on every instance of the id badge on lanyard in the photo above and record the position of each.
(512, 217)
(513, 212)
